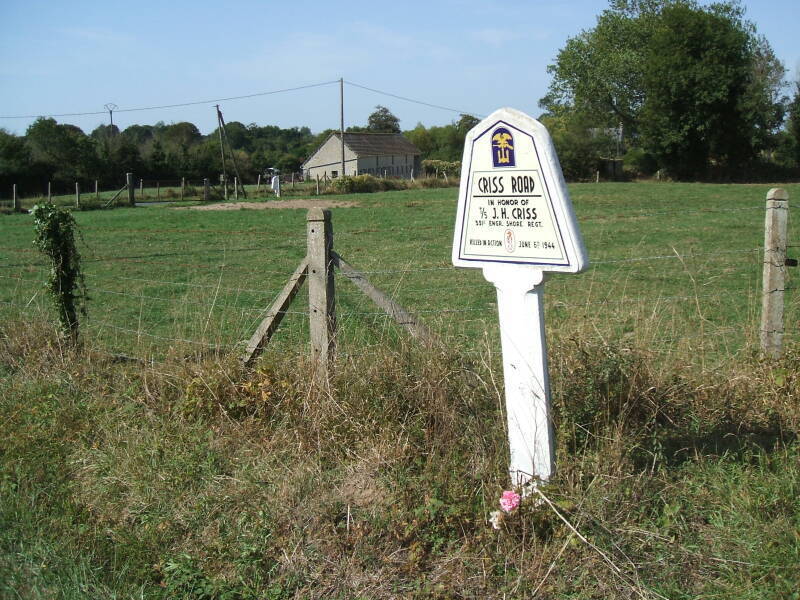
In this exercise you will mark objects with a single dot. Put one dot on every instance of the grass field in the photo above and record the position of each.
(182, 475)
(673, 267)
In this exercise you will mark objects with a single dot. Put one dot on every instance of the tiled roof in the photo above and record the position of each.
(378, 144)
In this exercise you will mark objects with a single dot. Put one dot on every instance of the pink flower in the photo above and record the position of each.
(509, 500)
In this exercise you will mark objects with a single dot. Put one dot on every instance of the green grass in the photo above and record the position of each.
(190, 477)
(205, 276)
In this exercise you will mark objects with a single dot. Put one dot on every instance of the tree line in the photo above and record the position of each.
(63, 154)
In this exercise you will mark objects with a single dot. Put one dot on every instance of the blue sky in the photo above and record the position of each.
(469, 55)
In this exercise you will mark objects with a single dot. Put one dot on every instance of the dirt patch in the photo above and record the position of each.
(285, 204)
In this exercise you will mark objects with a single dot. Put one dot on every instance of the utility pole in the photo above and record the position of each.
(111, 107)
(341, 121)
(223, 139)
(222, 150)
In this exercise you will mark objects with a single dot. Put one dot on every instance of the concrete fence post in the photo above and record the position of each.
(774, 275)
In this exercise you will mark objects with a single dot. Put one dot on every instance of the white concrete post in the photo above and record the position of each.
(520, 305)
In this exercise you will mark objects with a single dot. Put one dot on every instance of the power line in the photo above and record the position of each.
(462, 112)
(102, 112)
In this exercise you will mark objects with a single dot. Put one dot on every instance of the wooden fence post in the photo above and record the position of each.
(77, 195)
(317, 184)
(292, 179)
(321, 298)
(49, 191)
(183, 186)
(236, 189)
(775, 240)
(206, 191)
(141, 189)
(131, 189)
(96, 191)
(15, 199)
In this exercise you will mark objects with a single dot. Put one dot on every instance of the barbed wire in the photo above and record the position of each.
(623, 217)
(139, 332)
(187, 284)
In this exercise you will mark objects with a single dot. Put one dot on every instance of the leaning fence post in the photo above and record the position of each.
(321, 293)
(131, 189)
(775, 240)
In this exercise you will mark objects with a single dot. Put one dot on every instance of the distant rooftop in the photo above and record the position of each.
(372, 144)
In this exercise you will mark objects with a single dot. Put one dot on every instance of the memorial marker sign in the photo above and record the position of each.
(515, 221)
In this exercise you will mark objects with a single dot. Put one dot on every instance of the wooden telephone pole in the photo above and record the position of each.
(223, 139)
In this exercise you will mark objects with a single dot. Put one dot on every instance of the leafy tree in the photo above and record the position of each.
(138, 134)
(180, 135)
(465, 123)
(64, 151)
(15, 158)
(696, 76)
(698, 81)
(793, 123)
(383, 121)
(599, 73)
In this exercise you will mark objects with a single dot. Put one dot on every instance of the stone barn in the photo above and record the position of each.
(378, 154)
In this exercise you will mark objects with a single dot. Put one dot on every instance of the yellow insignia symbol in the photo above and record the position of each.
(502, 142)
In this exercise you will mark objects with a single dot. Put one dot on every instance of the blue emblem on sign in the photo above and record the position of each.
(503, 148)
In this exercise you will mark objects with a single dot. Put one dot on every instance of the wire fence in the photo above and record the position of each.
(180, 285)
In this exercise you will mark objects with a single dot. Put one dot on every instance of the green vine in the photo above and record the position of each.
(55, 237)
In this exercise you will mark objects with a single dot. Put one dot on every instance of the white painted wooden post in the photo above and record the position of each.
(321, 292)
(15, 199)
(258, 184)
(774, 274)
(520, 307)
(236, 189)
(77, 195)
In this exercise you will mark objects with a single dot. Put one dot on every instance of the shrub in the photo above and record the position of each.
(639, 162)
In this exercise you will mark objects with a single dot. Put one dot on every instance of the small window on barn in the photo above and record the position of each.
(334, 174)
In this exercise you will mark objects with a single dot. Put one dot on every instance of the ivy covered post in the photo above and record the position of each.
(55, 237)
